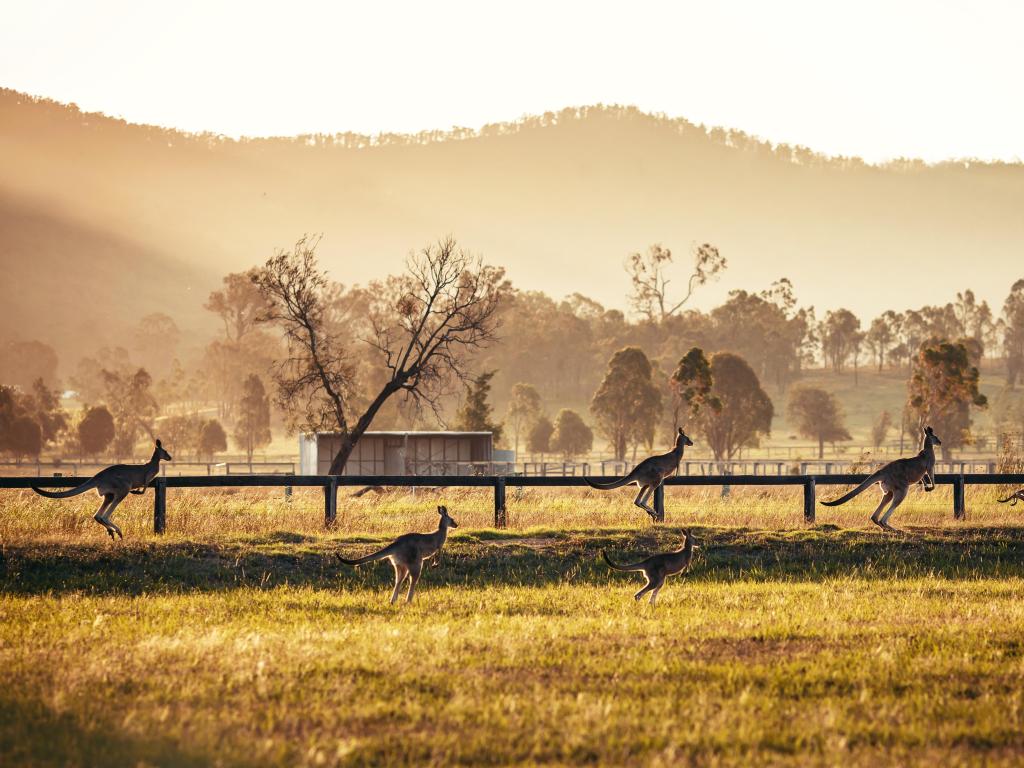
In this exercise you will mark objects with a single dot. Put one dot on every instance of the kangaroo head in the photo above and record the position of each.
(445, 517)
(682, 439)
(161, 454)
(930, 437)
(689, 537)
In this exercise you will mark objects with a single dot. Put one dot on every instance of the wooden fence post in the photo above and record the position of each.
(809, 500)
(160, 506)
(330, 501)
(500, 515)
(959, 503)
(659, 503)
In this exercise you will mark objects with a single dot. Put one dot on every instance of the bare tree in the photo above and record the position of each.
(650, 283)
(422, 324)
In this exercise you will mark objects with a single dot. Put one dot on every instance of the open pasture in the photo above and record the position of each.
(237, 639)
(205, 513)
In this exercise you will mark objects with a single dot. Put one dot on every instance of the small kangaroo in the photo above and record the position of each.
(408, 552)
(657, 568)
(649, 474)
(114, 484)
(1013, 498)
(896, 477)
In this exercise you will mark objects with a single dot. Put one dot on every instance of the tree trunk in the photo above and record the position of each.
(821, 448)
(349, 439)
(620, 448)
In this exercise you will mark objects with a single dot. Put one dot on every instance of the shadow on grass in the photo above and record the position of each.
(33, 734)
(532, 558)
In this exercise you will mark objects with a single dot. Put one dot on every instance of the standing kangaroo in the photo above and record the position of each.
(649, 474)
(657, 568)
(896, 477)
(408, 552)
(114, 484)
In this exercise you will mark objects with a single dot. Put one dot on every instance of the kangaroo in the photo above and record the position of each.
(896, 477)
(408, 552)
(114, 484)
(649, 474)
(657, 568)
(1013, 498)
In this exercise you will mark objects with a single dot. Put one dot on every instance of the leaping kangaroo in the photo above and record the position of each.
(896, 477)
(1013, 498)
(657, 568)
(649, 474)
(114, 484)
(408, 552)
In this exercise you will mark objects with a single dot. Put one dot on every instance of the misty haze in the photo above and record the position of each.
(669, 413)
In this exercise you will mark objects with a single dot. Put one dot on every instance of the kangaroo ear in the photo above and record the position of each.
(442, 510)
(681, 431)
(929, 431)
(158, 444)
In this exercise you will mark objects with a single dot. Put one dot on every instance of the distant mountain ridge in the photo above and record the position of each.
(558, 199)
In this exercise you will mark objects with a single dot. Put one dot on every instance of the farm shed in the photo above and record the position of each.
(400, 453)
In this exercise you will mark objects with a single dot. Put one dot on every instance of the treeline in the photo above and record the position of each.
(554, 372)
(56, 114)
(129, 394)
(563, 347)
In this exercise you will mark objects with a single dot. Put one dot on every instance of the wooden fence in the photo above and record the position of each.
(499, 484)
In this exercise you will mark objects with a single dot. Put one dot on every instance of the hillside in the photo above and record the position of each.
(79, 288)
(135, 219)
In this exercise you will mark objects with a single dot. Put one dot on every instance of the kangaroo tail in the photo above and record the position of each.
(613, 484)
(871, 480)
(378, 555)
(86, 486)
(616, 566)
(1013, 498)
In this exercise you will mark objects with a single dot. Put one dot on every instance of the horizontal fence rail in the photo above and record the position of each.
(331, 483)
(589, 468)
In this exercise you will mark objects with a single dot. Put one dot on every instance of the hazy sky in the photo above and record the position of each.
(928, 79)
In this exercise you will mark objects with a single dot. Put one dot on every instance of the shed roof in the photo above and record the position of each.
(411, 433)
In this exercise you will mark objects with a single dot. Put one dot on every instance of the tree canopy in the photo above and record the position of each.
(571, 437)
(817, 416)
(475, 413)
(942, 390)
(746, 410)
(627, 405)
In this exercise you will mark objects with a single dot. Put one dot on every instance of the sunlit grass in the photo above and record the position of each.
(213, 512)
(237, 639)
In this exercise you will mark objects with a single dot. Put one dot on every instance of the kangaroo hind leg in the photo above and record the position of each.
(886, 498)
(646, 587)
(898, 496)
(415, 568)
(400, 573)
(112, 527)
(641, 500)
(654, 595)
(98, 517)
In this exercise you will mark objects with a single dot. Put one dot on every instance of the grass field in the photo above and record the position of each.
(238, 640)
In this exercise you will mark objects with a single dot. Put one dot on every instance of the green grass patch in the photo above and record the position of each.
(809, 646)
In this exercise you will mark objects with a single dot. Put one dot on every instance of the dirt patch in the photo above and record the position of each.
(752, 650)
(536, 543)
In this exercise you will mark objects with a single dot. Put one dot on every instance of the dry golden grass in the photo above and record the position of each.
(199, 513)
(238, 639)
